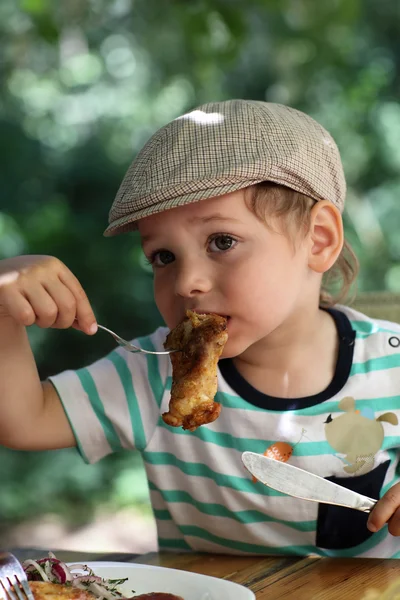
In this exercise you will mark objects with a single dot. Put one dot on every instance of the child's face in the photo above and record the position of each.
(216, 256)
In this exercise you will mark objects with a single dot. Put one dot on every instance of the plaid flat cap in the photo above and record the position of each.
(221, 147)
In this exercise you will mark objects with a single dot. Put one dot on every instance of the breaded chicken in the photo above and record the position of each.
(43, 590)
(201, 339)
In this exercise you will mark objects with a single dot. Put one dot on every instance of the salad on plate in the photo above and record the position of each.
(53, 579)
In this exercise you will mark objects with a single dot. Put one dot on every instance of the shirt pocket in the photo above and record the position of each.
(339, 527)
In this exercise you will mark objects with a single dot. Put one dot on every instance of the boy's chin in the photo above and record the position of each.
(233, 349)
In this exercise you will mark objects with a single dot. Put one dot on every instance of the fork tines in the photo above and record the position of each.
(13, 581)
(13, 589)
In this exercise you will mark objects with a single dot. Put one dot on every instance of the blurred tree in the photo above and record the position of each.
(83, 85)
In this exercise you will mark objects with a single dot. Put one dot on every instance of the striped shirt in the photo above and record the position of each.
(202, 497)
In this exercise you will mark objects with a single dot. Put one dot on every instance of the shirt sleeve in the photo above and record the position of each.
(115, 403)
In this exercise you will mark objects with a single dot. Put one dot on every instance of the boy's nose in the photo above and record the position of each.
(191, 281)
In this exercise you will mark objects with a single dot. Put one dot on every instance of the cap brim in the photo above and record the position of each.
(128, 222)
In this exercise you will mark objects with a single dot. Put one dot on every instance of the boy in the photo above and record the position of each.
(238, 205)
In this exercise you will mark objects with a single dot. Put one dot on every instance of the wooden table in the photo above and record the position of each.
(270, 578)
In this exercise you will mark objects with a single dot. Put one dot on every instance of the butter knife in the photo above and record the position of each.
(302, 484)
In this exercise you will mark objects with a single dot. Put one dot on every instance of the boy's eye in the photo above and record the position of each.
(222, 242)
(160, 258)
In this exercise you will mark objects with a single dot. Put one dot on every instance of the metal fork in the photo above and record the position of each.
(13, 580)
(128, 346)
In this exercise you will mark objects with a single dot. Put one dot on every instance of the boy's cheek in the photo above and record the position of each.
(171, 316)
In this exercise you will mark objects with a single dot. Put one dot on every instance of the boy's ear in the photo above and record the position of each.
(326, 236)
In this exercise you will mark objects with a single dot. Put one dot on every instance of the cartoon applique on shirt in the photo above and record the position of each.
(357, 435)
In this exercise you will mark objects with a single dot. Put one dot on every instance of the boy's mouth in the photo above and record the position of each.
(210, 312)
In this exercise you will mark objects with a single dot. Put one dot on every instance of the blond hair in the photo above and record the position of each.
(294, 209)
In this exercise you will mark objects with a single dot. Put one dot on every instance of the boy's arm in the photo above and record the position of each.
(31, 414)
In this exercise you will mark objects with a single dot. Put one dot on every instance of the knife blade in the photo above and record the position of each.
(302, 484)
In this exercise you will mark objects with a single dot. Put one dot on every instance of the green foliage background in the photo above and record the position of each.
(84, 84)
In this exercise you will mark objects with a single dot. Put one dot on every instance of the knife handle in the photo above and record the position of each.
(367, 504)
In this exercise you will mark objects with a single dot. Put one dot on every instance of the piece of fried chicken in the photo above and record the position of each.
(44, 590)
(201, 339)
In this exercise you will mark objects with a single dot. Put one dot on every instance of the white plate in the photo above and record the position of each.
(191, 586)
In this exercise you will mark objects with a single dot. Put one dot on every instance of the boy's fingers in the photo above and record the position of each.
(20, 310)
(394, 523)
(42, 304)
(75, 325)
(384, 509)
(65, 302)
(84, 315)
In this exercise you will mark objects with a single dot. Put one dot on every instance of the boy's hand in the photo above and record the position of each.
(42, 290)
(387, 510)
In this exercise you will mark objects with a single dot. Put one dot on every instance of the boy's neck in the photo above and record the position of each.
(297, 362)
